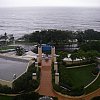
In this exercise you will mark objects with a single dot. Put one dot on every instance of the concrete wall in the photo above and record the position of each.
(13, 58)
(70, 62)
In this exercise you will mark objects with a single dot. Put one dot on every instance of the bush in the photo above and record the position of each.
(19, 51)
(77, 91)
(5, 89)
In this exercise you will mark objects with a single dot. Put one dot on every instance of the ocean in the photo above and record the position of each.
(20, 21)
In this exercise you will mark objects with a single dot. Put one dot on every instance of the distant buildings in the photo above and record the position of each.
(72, 45)
(5, 39)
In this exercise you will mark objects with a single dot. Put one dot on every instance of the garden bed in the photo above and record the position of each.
(73, 81)
(77, 77)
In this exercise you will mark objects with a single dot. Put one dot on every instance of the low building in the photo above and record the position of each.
(68, 60)
(5, 39)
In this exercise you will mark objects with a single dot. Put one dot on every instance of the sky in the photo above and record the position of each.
(65, 3)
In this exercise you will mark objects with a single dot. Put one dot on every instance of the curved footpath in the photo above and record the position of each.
(46, 85)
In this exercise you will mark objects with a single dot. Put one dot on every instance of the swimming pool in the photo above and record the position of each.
(11, 66)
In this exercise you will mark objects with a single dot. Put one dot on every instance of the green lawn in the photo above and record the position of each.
(5, 97)
(7, 47)
(77, 76)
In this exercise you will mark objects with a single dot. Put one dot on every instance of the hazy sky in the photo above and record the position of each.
(82, 3)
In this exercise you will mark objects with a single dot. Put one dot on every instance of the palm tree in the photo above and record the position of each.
(81, 55)
(5, 38)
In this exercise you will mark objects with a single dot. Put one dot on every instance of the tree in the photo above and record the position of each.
(5, 35)
(5, 38)
(19, 51)
(81, 54)
(73, 56)
(91, 45)
(91, 55)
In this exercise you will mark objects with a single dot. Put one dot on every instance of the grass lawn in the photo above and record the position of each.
(77, 76)
(6, 97)
(7, 47)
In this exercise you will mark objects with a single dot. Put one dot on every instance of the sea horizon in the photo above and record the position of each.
(25, 20)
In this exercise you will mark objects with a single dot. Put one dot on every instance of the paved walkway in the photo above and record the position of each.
(46, 84)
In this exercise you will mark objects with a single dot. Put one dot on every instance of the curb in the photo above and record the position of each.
(92, 81)
(79, 66)
(75, 97)
(37, 89)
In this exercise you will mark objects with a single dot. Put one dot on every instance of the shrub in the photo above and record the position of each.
(19, 51)
(78, 91)
(5, 89)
